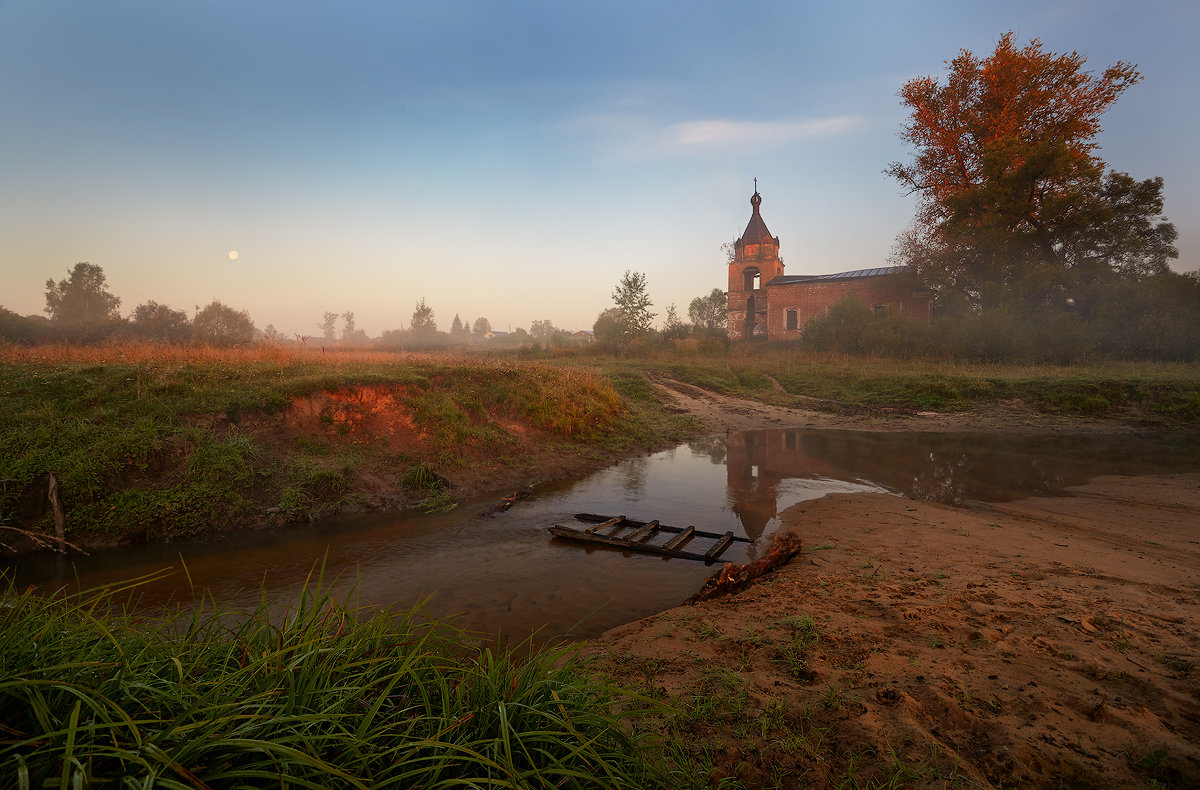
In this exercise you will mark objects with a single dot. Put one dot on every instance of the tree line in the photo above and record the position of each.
(80, 309)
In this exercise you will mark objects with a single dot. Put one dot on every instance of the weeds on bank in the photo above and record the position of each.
(310, 695)
(421, 477)
(165, 441)
(795, 650)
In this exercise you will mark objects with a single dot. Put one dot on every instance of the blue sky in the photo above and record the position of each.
(506, 160)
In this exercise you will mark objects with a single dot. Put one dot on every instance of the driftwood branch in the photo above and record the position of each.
(733, 577)
(61, 545)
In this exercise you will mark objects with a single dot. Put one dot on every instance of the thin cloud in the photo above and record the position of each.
(723, 133)
(632, 136)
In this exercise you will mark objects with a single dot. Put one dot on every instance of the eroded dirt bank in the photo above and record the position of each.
(1047, 642)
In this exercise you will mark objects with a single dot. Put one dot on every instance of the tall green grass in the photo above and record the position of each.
(312, 695)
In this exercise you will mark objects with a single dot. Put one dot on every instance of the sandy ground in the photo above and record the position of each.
(1045, 642)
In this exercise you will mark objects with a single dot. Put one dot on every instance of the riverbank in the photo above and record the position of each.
(153, 443)
(1045, 642)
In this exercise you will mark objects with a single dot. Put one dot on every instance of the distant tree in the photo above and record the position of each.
(542, 330)
(155, 321)
(348, 326)
(392, 340)
(423, 322)
(1014, 203)
(29, 329)
(673, 328)
(457, 329)
(708, 313)
(482, 326)
(607, 328)
(219, 325)
(633, 306)
(329, 327)
(82, 300)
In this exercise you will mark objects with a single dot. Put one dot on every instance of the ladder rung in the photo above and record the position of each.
(679, 539)
(644, 531)
(719, 546)
(611, 522)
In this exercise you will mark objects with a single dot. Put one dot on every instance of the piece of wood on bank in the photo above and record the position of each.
(603, 524)
(733, 577)
(59, 520)
(679, 539)
(719, 546)
(644, 531)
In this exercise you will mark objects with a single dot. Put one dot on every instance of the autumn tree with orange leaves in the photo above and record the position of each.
(1015, 206)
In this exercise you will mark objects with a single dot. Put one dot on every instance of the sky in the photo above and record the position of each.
(507, 160)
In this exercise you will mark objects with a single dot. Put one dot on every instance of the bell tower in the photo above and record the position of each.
(755, 263)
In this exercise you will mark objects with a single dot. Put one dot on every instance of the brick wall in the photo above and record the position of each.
(892, 291)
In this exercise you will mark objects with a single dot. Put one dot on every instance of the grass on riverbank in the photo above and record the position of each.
(317, 695)
(160, 442)
(1146, 394)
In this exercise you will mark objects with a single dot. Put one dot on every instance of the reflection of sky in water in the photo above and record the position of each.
(802, 489)
(507, 573)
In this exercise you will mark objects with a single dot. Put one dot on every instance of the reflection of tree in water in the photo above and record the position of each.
(633, 477)
(711, 446)
(947, 468)
(940, 467)
(951, 468)
(941, 482)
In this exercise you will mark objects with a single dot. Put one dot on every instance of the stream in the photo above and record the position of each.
(502, 575)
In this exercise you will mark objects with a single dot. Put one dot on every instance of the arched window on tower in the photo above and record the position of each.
(751, 275)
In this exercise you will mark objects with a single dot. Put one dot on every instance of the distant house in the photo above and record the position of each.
(492, 334)
(584, 336)
(763, 302)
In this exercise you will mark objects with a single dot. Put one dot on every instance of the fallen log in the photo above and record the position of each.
(733, 577)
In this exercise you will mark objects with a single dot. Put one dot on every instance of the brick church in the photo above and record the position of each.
(766, 303)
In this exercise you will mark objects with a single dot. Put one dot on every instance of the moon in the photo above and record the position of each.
(233, 255)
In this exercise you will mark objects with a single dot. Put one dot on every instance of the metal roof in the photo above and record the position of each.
(857, 274)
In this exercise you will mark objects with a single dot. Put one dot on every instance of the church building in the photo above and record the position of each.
(763, 302)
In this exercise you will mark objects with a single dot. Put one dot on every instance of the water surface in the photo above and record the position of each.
(504, 574)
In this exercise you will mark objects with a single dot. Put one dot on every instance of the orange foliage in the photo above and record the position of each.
(992, 112)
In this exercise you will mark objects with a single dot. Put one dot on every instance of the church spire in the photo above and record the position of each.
(756, 231)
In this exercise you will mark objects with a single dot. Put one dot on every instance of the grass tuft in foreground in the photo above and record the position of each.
(314, 695)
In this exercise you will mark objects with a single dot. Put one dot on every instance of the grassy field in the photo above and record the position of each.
(1147, 394)
(152, 442)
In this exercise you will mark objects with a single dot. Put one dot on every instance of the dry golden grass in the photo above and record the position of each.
(140, 352)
